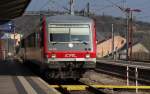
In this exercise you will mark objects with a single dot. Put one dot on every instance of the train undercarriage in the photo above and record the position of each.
(65, 70)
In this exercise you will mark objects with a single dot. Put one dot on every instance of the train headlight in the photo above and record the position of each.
(87, 55)
(53, 55)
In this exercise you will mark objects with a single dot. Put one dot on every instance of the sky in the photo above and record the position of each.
(99, 7)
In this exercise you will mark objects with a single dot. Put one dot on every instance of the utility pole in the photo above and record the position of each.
(112, 41)
(130, 36)
(127, 38)
(72, 7)
(130, 31)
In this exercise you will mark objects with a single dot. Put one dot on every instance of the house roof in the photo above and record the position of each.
(10, 9)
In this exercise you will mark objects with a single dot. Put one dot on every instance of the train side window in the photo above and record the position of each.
(37, 39)
(31, 40)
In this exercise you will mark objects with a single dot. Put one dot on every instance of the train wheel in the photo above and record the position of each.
(49, 74)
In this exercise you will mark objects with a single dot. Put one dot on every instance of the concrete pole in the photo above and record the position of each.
(131, 34)
(88, 9)
(72, 7)
(127, 75)
(112, 41)
(136, 77)
(127, 38)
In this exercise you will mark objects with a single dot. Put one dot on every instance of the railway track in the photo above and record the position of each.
(68, 86)
(75, 87)
(121, 72)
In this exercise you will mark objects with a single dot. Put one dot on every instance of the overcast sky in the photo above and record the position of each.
(96, 6)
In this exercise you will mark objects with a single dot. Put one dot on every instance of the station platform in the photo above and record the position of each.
(15, 78)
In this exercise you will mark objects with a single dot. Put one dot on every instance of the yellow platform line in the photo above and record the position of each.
(71, 87)
(84, 87)
(121, 87)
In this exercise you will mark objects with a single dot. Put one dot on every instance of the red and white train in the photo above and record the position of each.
(64, 47)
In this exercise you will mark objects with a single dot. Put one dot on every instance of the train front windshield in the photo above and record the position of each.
(68, 33)
(60, 35)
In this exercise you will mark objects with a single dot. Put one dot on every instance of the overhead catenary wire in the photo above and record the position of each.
(107, 6)
(54, 3)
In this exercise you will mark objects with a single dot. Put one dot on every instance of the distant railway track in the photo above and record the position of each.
(120, 71)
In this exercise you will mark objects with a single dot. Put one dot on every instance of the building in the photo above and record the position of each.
(104, 48)
(139, 52)
(8, 44)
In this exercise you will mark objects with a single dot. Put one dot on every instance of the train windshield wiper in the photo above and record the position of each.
(85, 42)
(81, 41)
(55, 43)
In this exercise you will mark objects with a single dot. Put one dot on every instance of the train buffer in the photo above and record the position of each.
(85, 87)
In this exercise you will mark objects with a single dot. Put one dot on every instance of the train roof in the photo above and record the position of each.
(68, 19)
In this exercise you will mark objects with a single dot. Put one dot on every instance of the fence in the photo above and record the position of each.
(141, 56)
(138, 56)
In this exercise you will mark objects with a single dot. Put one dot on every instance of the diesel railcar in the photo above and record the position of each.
(64, 47)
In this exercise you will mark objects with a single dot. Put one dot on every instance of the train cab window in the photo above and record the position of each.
(59, 34)
(68, 32)
(79, 34)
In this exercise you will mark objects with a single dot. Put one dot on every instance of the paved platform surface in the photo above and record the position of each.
(15, 78)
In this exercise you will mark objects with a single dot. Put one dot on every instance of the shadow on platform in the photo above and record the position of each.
(12, 68)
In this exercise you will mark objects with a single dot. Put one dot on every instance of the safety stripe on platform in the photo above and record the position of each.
(26, 85)
(52, 90)
(19, 86)
(35, 86)
(84, 87)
